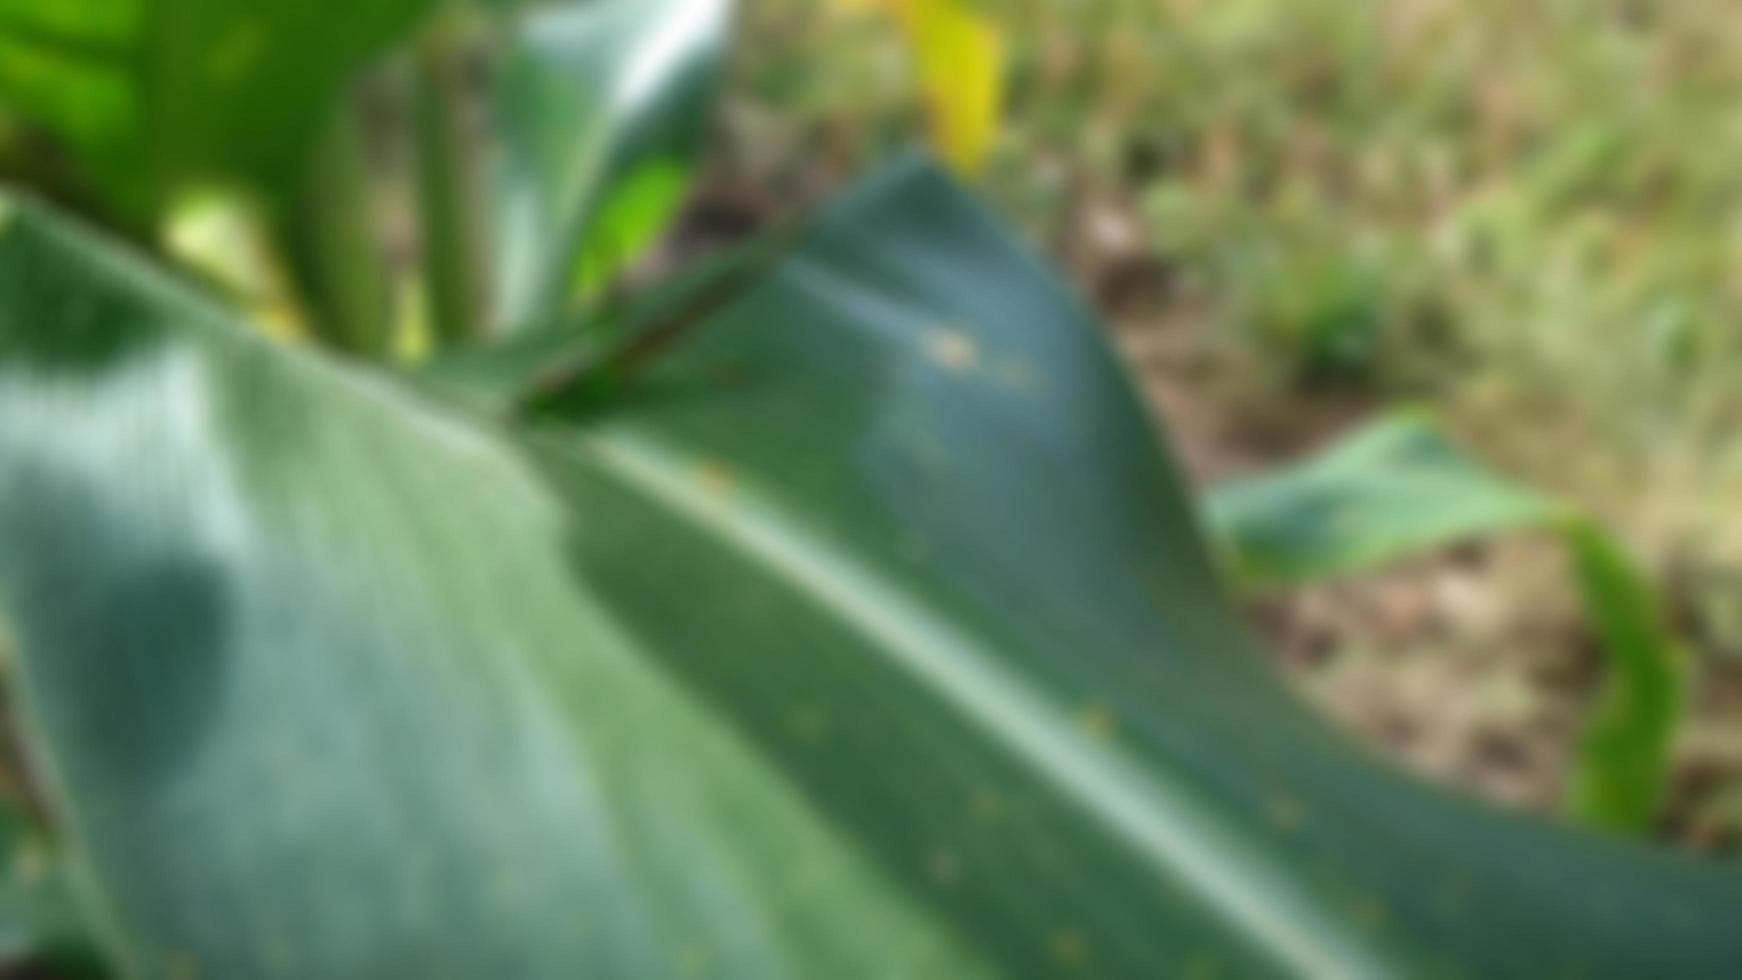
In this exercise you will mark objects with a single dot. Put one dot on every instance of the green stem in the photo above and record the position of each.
(324, 228)
(448, 173)
(1627, 747)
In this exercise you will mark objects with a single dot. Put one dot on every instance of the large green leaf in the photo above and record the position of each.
(1399, 486)
(870, 636)
(601, 109)
(151, 92)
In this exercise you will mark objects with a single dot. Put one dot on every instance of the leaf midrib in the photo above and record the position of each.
(1160, 818)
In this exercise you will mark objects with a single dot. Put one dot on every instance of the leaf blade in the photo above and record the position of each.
(601, 110)
(1399, 486)
(712, 732)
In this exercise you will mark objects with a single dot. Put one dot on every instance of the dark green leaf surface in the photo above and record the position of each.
(601, 109)
(871, 637)
(152, 92)
(1399, 486)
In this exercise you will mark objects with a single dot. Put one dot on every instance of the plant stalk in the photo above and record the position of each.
(322, 222)
(449, 173)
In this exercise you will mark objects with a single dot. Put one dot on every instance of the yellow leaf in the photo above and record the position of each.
(959, 52)
(961, 62)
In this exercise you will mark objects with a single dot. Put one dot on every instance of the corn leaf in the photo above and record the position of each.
(868, 634)
(959, 54)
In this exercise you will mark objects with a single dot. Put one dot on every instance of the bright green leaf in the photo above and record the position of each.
(602, 108)
(1622, 767)
(869, 635)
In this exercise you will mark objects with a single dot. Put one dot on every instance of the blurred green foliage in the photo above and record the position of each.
(1513, 209)
(1395, 487)
(598, 150)
(1401, 486)
(145, 96)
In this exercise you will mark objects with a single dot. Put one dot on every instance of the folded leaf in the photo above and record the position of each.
(1622, 768)
(602, 108)
(870, 635)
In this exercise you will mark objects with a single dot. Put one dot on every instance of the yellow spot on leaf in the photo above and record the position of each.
(282, 322)
(807, 723)
(987, 804)
(1285, 812)
(1200, 968)
(1070, 948)
(944, 867)
(952, 350)
(29, 863)
(8, 213)
(181, 966)
(1098, 722)
(1370, 913)
(1016, 373)
(715, 477)
(413, 337)
(218, 234)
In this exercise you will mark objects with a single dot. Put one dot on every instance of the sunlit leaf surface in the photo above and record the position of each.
(1400, 486)
(869, 636)
(602, 108)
